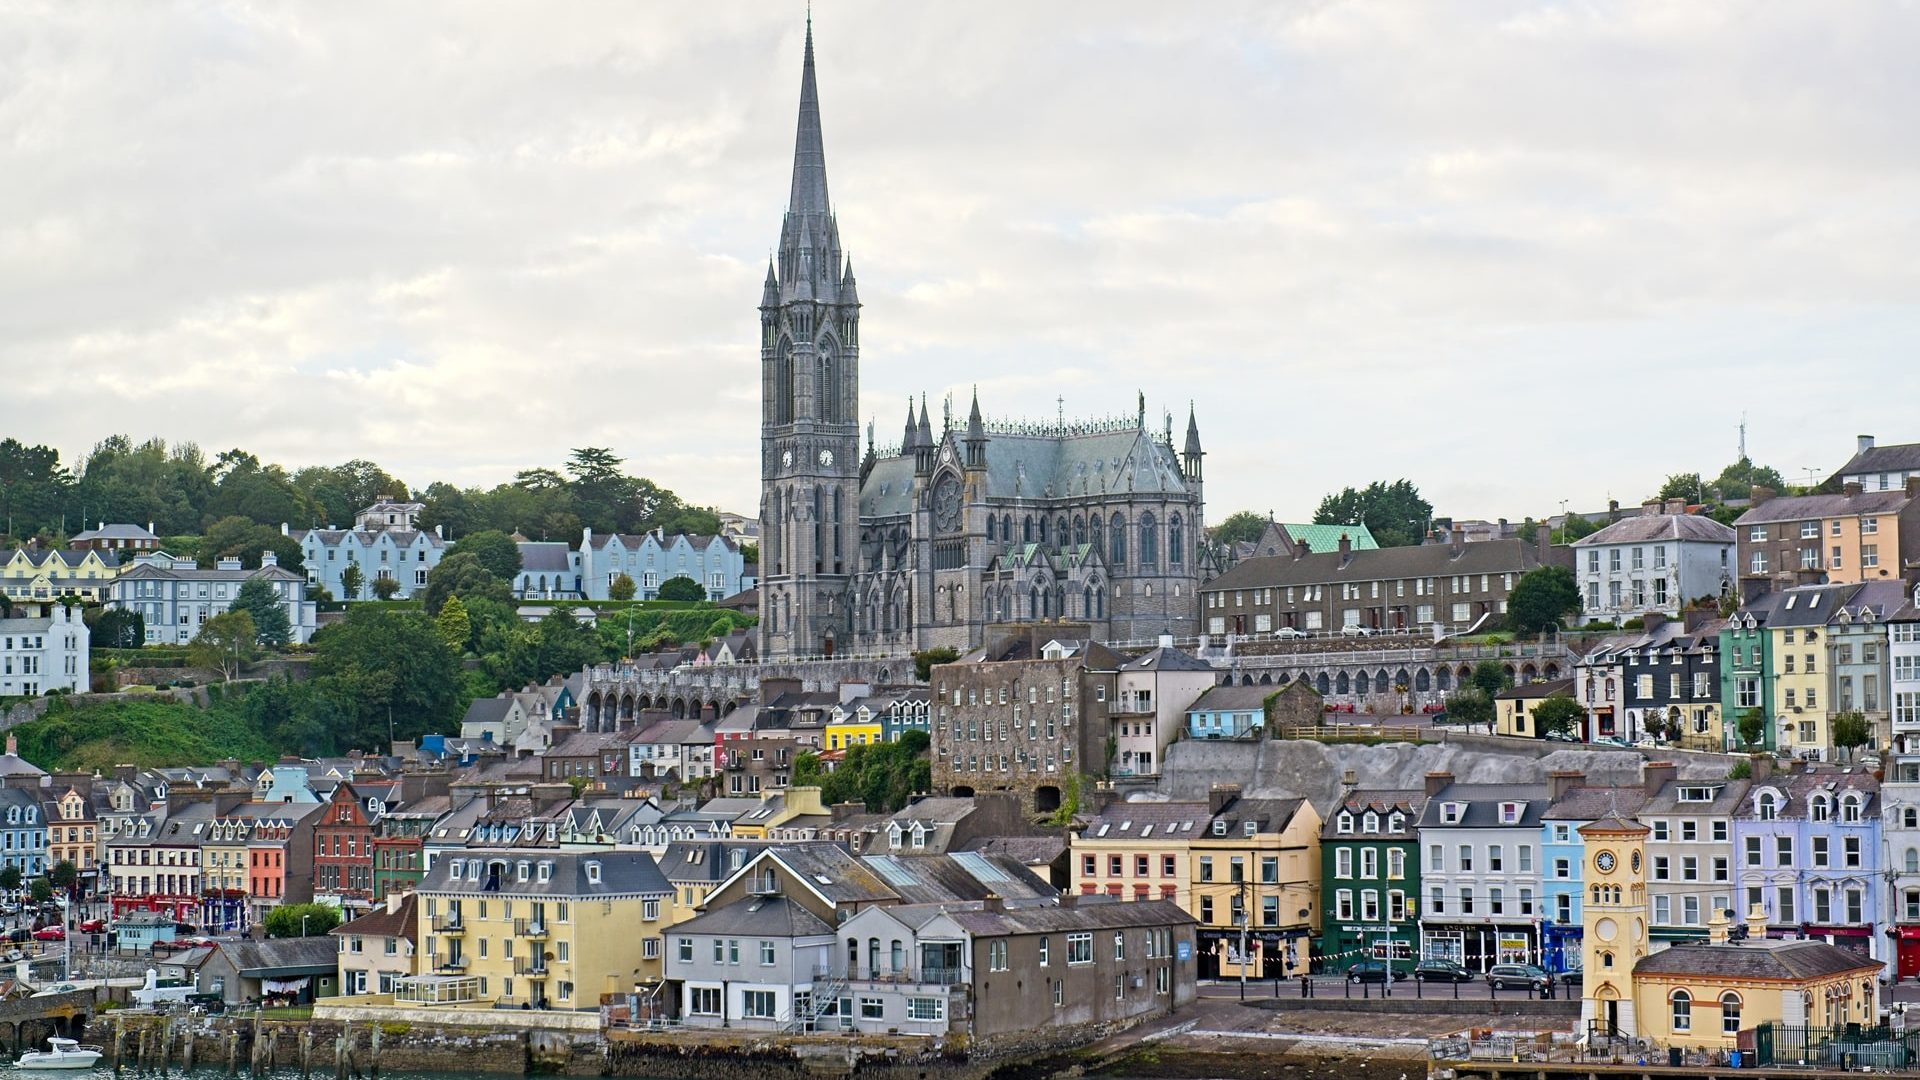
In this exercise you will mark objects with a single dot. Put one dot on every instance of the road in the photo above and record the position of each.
(1337, 986)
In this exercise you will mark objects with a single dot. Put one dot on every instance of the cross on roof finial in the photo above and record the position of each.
(1613, 802)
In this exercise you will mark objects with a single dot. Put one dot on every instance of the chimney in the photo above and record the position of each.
(1559, 782)
(1653, 620)
(1613, 510)
(125, 773)
(1676, 506)
(1796, 766)
(1913, 485)
(1862, 443)
(1654, 775)
(1221, 796)
(1103, 797)
(1456, 543)
(1346, 549)
(1543, 543)
(1437, 782)
(547, 796)
(1301, 550)
(1717, 928)
(268, 558)
(1850, 489)
(1069, 900)
(1757, 924)
(229, 563)
(993, 902)
(1761, 767)
(13, 746)
(1758, 494)
(1350, 778)
(1651, 508)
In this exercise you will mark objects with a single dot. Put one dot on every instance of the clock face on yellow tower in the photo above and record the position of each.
(1604, 861)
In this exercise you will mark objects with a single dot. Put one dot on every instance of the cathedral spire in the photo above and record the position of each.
(809, 194)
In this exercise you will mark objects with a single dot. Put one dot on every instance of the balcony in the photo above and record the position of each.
(1132, 705)
(922, 976)
(530, 965)
(452, 963)
(531, 929)
(449, 924)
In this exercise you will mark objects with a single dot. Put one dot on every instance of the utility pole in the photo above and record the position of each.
(1246, 916)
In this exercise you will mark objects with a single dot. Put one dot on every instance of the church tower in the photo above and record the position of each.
(809, 421)
(1613, 923)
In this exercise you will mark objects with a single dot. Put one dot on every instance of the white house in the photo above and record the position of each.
(1656, 562)
(1152, 696)
(1480, 868)
(385, 542)
(175, 596)
(47, 652)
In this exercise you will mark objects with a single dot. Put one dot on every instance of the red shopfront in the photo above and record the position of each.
(1906, 952)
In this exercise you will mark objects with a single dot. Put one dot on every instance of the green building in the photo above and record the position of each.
(1746, 671)
(1370, 878)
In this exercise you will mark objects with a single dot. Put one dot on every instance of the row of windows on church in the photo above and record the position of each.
(1110, 536)
(828, 397)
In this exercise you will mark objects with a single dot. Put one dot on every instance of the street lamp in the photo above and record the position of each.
(303, 924)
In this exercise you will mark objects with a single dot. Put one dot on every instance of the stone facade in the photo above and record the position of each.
(931, 542)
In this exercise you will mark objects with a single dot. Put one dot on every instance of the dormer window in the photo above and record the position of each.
(1850, 810)
(454, 868)
(1510, 813)
(593, 872)
(1767, 806)
(1450, 813)
(1396, 822)
(1345, 824)
(522, 870)
(545, 873)
(1220, 827)
(1370, 823)
(1818, 808)
(1251, 828)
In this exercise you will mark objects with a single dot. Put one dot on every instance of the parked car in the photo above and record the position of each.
(1522, 976)
(1356, 631)
(1562, 736)
(1610, 741)
(17, 935)
(50, 933)
(1442, 971)
(1573, 978)
(1374, 971)
(1289, 633)
(93, 926)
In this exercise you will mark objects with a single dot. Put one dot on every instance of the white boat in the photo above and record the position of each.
(61, 1054)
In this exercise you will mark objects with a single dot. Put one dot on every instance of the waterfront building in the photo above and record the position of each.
(1481, 875)
(1370, 877)
(46, 652)
(1256, 883)
(377, 949)
(1808, 849)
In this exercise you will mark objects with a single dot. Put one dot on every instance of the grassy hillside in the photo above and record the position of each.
(146, 733)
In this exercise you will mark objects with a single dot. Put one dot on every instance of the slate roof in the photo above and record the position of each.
(1591, 803)
(1041, 467)
(1029, 850)
(1649, 528)
(1166, 659)
(1901, 457)
(491, 710)
(1381, 801)
(1269, 815)
(545, 557)
(832, 872)
(622, 873)
(42, 556)
(1232, 698)
(115, 531)
(266, 959)
(1081, 916)
(1530, 691)
(1148, 821)
(1793, 961)
(1424, 560)
(706, 860)
(765, 916)
(1666, 801)
(929, 879)
(1800, 788)
(1808, 507)
(1483, 805)
(1803, 605)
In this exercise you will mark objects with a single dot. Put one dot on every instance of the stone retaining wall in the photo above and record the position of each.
(1407, 1004)
(404, 1047)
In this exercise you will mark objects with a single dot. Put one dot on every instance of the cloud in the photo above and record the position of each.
(1526, 253)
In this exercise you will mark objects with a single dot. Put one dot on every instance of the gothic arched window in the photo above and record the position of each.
(1086, 604)
(1117, 534)
(1096, 538)
(1026, 529)
(1079, 531)
(829, 388)
(1174, 539)
(1149, 542)
(783, 382)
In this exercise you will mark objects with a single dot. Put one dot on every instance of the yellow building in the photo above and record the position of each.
(778, 806)
(1513, 708)
(545, 928)
(1701, 995)
(46, 574)
(72, 833)
(1797, 624)
(1256, 868)
(860, 727)
(1139, 851)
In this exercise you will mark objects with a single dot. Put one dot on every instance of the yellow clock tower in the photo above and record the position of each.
(1613, 922)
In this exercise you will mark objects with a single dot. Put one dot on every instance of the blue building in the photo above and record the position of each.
(1807, 846)
(386, 541)
(1228, 712)
(549, 570)
(1572, 806)
(23, 831)
(651, 559)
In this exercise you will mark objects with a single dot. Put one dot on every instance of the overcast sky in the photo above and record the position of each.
(1517, 252)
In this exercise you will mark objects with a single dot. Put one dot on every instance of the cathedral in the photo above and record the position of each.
(972, 526)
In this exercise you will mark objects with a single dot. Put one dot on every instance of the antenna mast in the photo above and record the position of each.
(1743, 438)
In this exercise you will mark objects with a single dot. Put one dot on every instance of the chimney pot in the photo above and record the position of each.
(1676, 506)
(1863, 442)
(1850, 489)
(1221, 796)
(1437, 782)
(1350, 778)
(1655, 774)
(1913, 485)
(1300, 549)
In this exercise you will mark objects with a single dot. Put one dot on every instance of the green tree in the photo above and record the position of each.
(10, 878)
(462, 575)
(119, 628)
(1851, 730)
(302, 920)
(63, 874)
(681, 587)
(39, 890)
(1685, 486)
(259, 600)
(1470, 707)
(379, 666)
(1573, 527)
(926, 660)
(1541, 598)
(225, 643)
(1489, 678)
(456, 629)
(384, 588)
(1558, 715)
(1752, 726)
(243, 538)
(620, 588)
(495, 550)
(351, 580)
(1738, 480)
(1244, 526)
(1394, 513)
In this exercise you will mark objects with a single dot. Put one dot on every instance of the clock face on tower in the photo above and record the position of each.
(826, 457)
(1604, 861)
(946, 504)
(786, 459)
